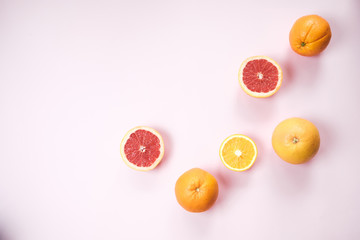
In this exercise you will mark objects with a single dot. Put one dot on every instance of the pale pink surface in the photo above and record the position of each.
(75, 76)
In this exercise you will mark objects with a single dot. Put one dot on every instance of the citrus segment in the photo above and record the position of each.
(260, 76)
(238, 152)
(142, 148)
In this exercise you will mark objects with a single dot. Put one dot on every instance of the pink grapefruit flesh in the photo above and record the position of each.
(260, 76)
(142, 148)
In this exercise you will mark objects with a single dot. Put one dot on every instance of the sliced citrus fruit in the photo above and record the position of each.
(142, 148)
(260, 76)
(238, 152)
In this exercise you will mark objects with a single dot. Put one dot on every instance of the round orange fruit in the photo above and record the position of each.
(196, 190)
(260, 76)
(310, 35)
(296, 140)
(142, 148)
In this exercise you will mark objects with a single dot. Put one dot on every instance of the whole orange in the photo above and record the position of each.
(310, 35)
(196, 190)
(296, 140)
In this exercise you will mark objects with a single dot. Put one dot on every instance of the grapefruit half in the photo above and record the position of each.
(142, 148)
(260, 76)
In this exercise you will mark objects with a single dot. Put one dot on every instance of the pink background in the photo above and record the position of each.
(75, 75)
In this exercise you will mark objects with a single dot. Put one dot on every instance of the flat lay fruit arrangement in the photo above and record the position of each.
(295, 140)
